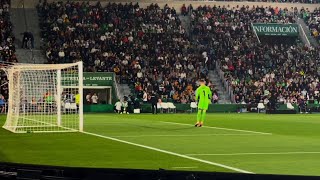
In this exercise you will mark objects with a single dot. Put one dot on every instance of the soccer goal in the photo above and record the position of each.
(45, 98)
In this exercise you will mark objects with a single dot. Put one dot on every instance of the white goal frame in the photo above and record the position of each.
(21, 119)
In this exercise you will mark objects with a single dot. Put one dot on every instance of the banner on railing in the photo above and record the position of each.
(273, 29)
(89, 79)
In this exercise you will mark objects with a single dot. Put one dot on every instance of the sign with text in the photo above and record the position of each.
(89, 79)
(273, 29)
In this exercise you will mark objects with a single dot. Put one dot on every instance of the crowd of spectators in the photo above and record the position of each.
(146, 47)
(256, 70)
(149, 49)
(312, 19)
(7, 48)
(279, 1)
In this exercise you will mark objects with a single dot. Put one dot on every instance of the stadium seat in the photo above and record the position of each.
(136, 111)
(67, 105)
(164, 107)
(172, 107)
(260, 107)
(193, 105)
(73, 106)
(289, 106)
(159, 107)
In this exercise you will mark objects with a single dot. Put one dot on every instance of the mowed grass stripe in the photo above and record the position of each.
(171, 153)
(154, 119)
(126, 118)
(290, 133)
(81, 150)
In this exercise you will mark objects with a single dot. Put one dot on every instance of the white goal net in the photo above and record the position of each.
(45, 98)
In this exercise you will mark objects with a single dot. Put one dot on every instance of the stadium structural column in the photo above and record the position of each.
(58, 100)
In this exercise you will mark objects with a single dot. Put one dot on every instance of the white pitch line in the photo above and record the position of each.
(171, 153)
(212, 127)
(239, 154)
(182, 135)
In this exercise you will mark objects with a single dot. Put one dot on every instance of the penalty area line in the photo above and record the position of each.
(169, 152)
(212, 127)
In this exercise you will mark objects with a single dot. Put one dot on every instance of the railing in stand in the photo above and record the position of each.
(116, 87)
(225, 84)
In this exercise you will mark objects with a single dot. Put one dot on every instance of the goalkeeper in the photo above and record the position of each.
(203, 97)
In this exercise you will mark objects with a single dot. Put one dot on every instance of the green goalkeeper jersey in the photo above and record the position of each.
(203, 96)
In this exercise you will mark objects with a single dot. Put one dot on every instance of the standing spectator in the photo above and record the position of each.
(33, 104)
(118, 106)
(2, 104)
(49, 102)
(145, 96)
(88, 98)
(125, 106)
(27, 36)
(184, 10)
(154, 101)
(25, 40)
(215, 98)
(94, 99)
(77, 100)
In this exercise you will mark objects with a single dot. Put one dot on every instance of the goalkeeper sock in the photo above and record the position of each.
(199, 116)
(203, 116)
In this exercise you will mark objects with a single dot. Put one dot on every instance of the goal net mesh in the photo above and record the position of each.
(44, 98)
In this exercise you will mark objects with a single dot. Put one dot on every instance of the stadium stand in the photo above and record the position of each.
(146, 47)
(149, 49)
(7, 48)
(255, 70)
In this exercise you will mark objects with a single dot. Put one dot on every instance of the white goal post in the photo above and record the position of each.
(45, 98)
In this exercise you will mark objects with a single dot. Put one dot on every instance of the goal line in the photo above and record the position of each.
(46, 124)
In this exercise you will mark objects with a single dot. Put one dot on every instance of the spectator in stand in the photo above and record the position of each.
(27, 36)
(184, 10)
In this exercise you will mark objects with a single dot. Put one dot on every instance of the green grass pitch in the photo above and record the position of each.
(257, 143)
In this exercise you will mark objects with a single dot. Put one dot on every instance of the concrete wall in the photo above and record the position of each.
(177, 4)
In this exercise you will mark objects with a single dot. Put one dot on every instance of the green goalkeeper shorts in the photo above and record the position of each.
(203, 106)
